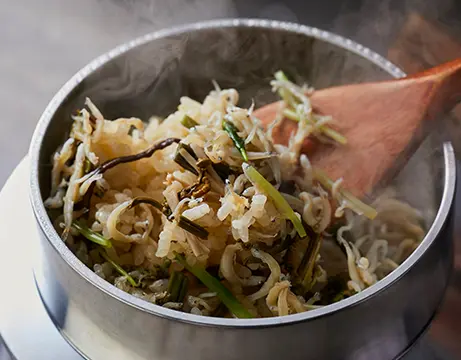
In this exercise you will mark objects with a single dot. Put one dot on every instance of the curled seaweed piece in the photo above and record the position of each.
(109, 164)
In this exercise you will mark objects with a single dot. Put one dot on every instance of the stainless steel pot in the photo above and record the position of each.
(146, 77)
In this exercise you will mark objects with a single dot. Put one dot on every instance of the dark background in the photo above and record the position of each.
(44, 42)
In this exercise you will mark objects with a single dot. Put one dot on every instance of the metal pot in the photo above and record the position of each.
(147, 76)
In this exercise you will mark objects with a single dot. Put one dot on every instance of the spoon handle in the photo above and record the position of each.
(444, 90)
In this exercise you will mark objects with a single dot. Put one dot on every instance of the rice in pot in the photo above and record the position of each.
(201, 212)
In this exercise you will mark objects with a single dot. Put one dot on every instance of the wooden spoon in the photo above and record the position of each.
(383, 122)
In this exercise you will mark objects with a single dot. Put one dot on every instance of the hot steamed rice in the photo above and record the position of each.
(201, 212)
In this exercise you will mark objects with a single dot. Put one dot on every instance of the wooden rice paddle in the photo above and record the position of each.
(383, 122)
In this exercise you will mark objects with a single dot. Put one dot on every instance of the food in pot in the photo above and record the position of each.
(201, 212)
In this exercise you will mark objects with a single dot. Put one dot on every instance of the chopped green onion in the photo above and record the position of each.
(332, 134)
(188, 122)
(280, 75)
(91, 235)
(289, 99)
(291, 114)
(340, 296)
(353, 202)
(87, 166)
(177, 286)
(192, 227)
(186, 158)
(166, 264)
(238, 141)
(118, 268)
(214, 285)
(174, 285)
(279, 201)
(183, 290)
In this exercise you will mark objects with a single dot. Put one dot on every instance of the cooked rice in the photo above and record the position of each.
(244, 225)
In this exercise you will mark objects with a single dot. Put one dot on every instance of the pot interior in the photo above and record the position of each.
(150, 78)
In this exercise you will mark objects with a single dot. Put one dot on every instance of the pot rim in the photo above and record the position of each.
(88, 275)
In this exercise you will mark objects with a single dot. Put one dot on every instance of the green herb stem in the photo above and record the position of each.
(279, 201)
(289, 99)
(87, 165)
(183, 290)
(352, 201)
(214, 285)
(331, 133)
(177, 286)
(188, 122)
(239, 143)
(118, 268)
(174, 285)
(91, 235)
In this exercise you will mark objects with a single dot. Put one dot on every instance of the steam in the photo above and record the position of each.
(280, 11)
(151, 79)
(376, 24)
(161, 13)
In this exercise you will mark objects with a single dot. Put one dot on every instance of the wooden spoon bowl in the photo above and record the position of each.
(384, 123)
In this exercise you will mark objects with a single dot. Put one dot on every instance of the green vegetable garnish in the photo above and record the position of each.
(238, 141)
(118, 268)
(279, 201)
(332, 134)
(87, 166)
(188, 122)
(214, 285)
(166, 264)
(289, 99)
(289, 112)
(183, 290)
(91, 235)
(353, 202)
(177, 286)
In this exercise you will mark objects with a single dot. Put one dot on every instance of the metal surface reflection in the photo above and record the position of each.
(380, 323)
